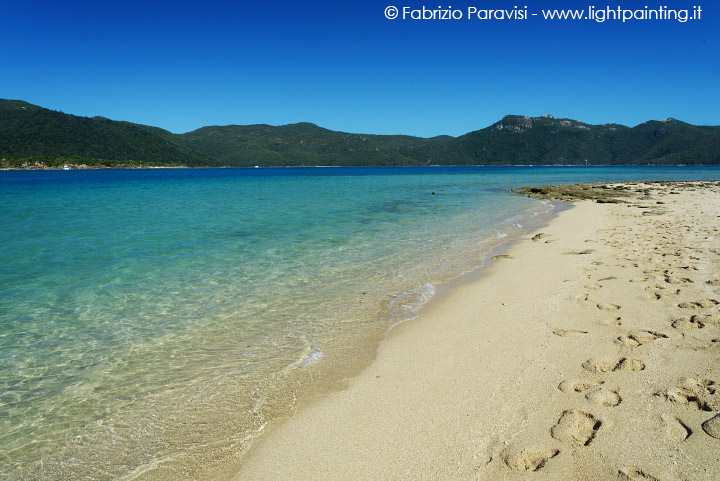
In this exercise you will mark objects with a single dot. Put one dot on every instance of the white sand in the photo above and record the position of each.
(552, 364)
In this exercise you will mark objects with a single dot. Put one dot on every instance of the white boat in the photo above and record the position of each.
(66, 167)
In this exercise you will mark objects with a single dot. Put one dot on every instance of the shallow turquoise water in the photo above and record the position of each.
(155, 319)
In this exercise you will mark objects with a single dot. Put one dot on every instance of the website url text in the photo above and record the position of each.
(591, 13)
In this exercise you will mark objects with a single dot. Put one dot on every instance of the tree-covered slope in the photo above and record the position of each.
(547, 140)
(512, 141)
(308, 144)
(29, 131)
(670, 142)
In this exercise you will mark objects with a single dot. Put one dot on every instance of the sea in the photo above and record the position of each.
(154, 322)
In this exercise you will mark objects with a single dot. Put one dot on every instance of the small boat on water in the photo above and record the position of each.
(66, 167)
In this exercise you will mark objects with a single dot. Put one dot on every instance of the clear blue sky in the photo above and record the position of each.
(344, 66)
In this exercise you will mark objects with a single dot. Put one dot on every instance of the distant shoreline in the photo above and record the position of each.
(144, 167)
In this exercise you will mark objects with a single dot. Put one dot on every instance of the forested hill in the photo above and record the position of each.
(547, 140)
(512, 141)
(29, 133)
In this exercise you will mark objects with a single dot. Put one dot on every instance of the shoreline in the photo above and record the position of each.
(149, 167)
(493, 382)
(318, 380)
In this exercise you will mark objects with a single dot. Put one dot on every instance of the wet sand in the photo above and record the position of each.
(592, 351)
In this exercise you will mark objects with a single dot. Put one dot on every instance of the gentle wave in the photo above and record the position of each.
(406, 306)
(311, 358)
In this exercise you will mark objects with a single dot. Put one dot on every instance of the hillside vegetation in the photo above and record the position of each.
(30, 134)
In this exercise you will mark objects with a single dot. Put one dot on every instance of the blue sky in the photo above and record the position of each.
(344, 66)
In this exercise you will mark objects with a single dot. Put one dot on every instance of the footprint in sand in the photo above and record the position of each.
(569, 332)
(521, 459)
(579, 253)
(608, 307)
(593, 287)
(697, 384)
(713, 282)
(633, 474)
(662, 291)
(611, 365)
(712, 426)
(687, 268)
(674, 429)
(677, 280)
(603, 397)
(575, 426)
(638, 338)
(574, 385)
(582, 297)
(685, 397)
(709, 318)
(688, 322)
(614, 322)
(599, 395)
(696, 393)
(701, 304)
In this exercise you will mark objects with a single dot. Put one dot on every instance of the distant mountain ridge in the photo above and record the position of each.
(29, 133)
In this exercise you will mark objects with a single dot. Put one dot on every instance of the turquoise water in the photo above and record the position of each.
(153, 321)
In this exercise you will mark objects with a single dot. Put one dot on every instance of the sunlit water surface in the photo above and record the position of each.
(153, 321)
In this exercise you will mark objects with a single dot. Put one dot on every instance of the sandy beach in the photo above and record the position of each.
(589, 352)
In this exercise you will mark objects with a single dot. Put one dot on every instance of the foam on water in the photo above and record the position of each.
(312, 357)
(406, 306)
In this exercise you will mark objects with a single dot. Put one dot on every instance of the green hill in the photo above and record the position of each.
(512, 141)
(547, 140)
(31, 132)
(308, 144)
(670, 142)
